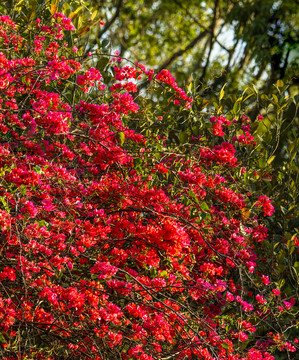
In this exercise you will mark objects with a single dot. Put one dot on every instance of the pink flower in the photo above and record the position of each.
(218, 129)
(229, 296)
(161, 168)
(242, 336)
(265, 280)
(292, 301)
(260, 299)
(247, 306)
(287, 305)
(266, 204)
(29, 209)
(104, 269)
(251, 265)
(276, 292)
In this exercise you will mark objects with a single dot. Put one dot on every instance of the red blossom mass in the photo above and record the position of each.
(97, 259)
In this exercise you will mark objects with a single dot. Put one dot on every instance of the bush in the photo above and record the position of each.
(123, 236)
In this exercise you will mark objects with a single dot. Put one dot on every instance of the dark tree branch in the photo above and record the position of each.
(180, 52)
(212, 40)
(112, 20)
(107, 26)
(199, 24)
(198, 63)
(285, 65)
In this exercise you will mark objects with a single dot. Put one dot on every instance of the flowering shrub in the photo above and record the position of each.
(109, 249)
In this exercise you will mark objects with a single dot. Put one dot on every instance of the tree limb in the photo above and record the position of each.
(180, 52)
(106, 27)
(112, 20)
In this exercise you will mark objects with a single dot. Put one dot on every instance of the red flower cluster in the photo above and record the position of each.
(218, 124)
(266, 204)
(166, 77)
(89, 78)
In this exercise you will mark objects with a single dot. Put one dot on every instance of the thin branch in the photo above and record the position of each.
(212, 40)
(199, 24)
(182, 51)
(112, 20)
(106, 27)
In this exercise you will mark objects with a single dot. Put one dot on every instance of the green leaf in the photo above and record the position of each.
(271, 159)
(191, 193)
(24, 81)
(180, 261)
(163, 273)
(262, 163)
(281, 283)
(121, 138)
(255, 89)
(237, 107)
(43, 223)
(102, 63)
(204, 206)
(137, 163)
(189, 87)
(221, 94)
(275, 99)
(4, 203)
(38, 169)
(183, 137)
(105, 43)
(93, 15)
(248, 96)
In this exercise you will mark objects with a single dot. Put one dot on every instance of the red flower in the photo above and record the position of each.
(266, 205)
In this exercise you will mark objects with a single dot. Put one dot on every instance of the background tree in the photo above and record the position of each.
(219, 41)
